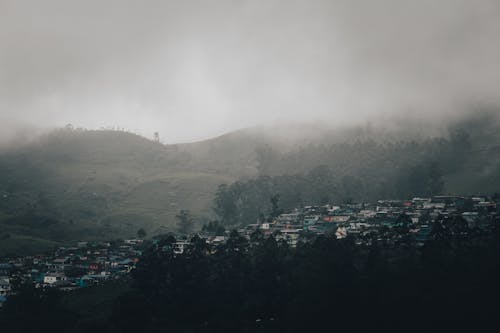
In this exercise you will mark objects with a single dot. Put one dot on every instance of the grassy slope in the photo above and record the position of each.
(97, 184)
(25, 245)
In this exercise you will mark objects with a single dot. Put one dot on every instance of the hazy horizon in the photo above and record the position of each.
(192, 70)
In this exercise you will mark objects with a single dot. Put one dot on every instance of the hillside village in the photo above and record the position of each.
(414, 216)
(392, 222)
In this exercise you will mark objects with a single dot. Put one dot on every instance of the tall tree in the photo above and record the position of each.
(275, 208)
(141, 233)
(185, 222)
(224, 204)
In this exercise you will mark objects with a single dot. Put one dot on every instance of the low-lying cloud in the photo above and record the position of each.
(194, 69)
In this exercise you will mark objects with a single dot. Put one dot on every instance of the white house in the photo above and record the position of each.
(5, 287)
(52, 278)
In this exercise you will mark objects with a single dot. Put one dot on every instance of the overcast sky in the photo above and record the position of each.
(196, 69)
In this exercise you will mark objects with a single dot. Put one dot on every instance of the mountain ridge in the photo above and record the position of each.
(93, 184)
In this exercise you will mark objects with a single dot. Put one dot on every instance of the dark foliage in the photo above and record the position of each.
(214, 227)
(449, 284)
(388, 284)
(185, 222)
(35, 310)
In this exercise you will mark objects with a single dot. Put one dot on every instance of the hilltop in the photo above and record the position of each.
(92, 184)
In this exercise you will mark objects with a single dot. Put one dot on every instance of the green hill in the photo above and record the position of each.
(79, 184)
(98, 184)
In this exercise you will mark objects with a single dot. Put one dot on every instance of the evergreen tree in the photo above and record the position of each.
(185, 222)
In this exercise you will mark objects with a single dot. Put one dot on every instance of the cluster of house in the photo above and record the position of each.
(5, 285)
(362, 219)
(70, 268)
(88, 264)
(366, 219)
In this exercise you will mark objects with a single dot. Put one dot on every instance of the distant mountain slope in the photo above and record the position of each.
(79, 184)
(88, 184)
(463, 159)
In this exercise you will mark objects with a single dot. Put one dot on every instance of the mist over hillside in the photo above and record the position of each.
(74, 183)
(249, 166)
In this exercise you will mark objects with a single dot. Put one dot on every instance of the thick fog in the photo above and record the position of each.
(196, 69)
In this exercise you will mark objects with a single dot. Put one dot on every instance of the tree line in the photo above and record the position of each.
(344, 172)
(387, 283)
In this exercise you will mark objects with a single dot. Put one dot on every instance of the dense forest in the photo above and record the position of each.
(370, 164)
(344, 172)
(260, 285)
